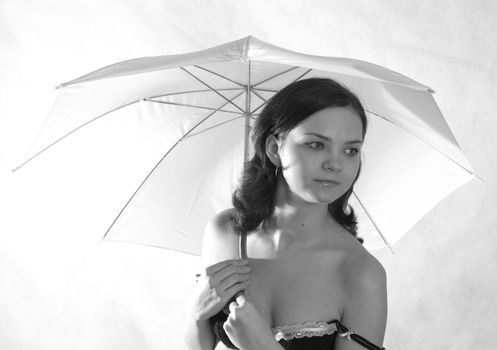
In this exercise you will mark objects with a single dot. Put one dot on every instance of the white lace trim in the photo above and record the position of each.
(306, 329)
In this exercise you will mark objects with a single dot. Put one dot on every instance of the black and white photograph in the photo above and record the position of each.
(253, 175)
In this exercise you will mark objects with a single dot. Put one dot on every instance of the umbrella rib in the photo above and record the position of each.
(258, 95)
(194, 91)
(304, 74)
(220, 75)
(212, 127)
(265, 101)
(69, 133)
(423, 140)
(265, 90)
(192, 106)
(276, 75)
(160, 161)
(373, 222)
(40, 131)
(262, 104)
(146, 245)
(212, 89)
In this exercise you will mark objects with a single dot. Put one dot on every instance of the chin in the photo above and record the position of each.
(324, 199)
(327, 198)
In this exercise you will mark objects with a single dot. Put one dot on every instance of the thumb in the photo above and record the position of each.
(242, 292)
(241, 298)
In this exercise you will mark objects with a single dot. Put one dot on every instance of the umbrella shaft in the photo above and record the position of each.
(247, 118)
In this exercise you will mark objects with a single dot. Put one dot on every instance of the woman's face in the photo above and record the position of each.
(320, 157)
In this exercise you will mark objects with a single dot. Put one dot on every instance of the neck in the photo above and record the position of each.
(296, 216)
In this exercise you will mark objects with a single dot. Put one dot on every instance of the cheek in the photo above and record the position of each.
(297, 160)
(298, 172)
(352, 171)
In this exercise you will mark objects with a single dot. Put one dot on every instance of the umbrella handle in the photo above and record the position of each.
(242, 246)
(242, 252)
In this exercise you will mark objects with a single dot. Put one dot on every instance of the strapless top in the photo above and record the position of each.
(315, 335)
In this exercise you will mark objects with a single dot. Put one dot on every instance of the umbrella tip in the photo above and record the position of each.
(390, 249)
(250, 39)
(478, 178)
(17, 168)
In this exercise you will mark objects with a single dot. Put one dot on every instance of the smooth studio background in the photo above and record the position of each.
(60, 288)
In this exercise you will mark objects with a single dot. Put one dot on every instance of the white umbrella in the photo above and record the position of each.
(203, 104)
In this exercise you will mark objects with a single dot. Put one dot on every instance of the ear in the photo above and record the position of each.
(272, 149)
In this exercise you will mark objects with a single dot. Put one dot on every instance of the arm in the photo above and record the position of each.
(365, 306)
(219, 244)
(197, 334)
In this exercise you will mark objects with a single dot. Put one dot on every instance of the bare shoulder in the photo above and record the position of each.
(363, 267)
(220, 241)
(364, 275)
(360, 265)
(365, 303)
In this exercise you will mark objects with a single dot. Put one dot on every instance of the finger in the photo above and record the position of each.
(241, 299)
(232, 307)
(227, 327)
(235, 289)
(237, 275)
(222, 264)
(220, 275)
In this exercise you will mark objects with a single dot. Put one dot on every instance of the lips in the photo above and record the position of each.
(328, 183)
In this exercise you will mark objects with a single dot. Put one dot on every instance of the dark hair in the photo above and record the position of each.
(253, 200)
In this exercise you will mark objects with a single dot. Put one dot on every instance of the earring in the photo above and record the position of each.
(276, 171)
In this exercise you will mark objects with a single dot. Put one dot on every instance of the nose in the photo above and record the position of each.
(332, 163)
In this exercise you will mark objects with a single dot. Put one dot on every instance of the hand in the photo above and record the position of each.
(246, 326)
(219, 283)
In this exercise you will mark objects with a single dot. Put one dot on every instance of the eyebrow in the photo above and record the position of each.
(328, 139)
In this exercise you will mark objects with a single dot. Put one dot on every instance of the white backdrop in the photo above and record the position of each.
(60, 288)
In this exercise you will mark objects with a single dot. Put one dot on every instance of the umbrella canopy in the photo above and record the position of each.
(204, 104)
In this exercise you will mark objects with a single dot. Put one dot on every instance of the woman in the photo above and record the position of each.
(304, 276)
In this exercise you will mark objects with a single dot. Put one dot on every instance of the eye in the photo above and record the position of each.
(315, 145)
(352, 151)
